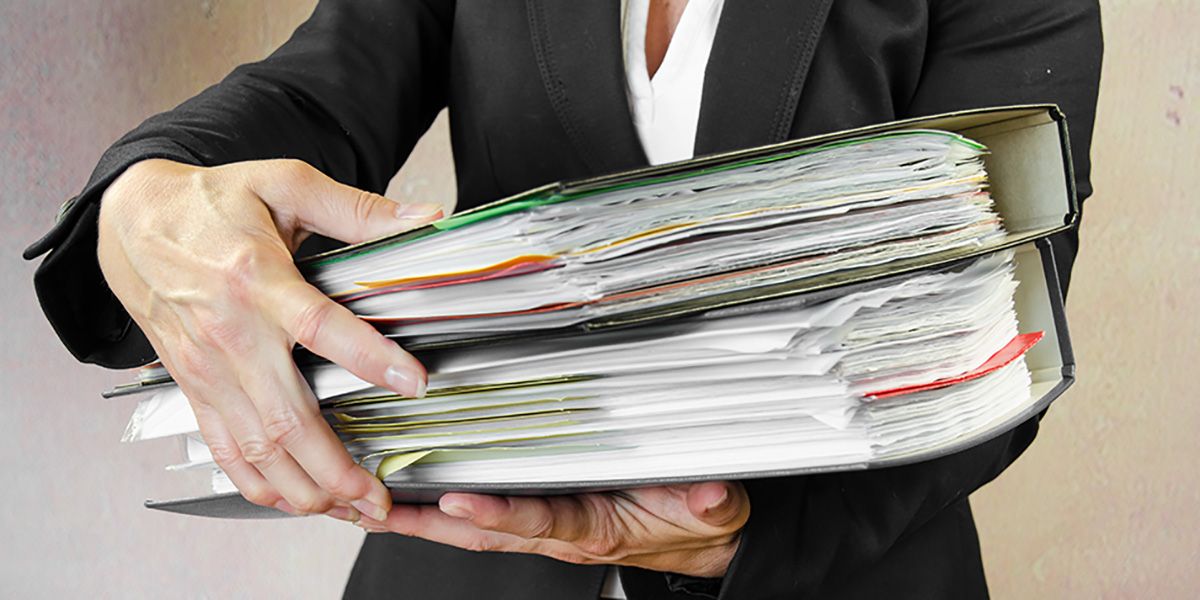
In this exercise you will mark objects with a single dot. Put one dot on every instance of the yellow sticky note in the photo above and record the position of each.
(396, 462)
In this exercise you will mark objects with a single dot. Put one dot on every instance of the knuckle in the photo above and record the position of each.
(225, 455)
(482, 543)
(204, 180)
(359, 358)
(288, 173)
(283, 427)
(310, 503)
(248, 266)
(344, 482)
(261, 453)
(260, 495)
(289, 177)
(295, 169)
(190, 360)
(365, 204)
(215, 330)
(541, 526)
(309, 324)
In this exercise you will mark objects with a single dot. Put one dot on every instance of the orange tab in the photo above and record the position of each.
(520, 265)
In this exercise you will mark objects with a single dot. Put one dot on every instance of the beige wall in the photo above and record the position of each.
(1103, 505)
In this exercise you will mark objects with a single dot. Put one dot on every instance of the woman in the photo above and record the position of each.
(200, 217)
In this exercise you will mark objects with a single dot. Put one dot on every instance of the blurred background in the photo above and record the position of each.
(1104, 505)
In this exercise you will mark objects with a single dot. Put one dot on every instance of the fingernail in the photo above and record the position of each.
(458, 511)
(417, 210)
(405, 383)
(366, 507)
(373, 529)
(288, 508)
(343, 513)
(720, 502)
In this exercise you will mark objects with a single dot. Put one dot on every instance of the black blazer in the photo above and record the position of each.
(535, 90)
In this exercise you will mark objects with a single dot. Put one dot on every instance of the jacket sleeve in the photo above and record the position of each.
(350, 93)
(810, 536)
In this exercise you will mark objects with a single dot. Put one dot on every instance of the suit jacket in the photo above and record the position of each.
(535, 90)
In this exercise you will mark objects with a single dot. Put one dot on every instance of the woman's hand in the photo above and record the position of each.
(691, 528)
(202, 260)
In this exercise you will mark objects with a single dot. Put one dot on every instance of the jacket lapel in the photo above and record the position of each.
(578, 48)
(757, 69)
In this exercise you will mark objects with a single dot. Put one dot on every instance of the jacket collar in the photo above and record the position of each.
(758, 66)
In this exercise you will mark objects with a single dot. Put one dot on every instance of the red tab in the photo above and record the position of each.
(1010, 352)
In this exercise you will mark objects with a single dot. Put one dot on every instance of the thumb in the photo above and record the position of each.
(721, 504)
(302, 200)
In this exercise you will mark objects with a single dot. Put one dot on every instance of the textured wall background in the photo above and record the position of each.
(1103, 505)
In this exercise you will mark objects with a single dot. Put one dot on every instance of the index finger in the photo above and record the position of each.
(291, 413)
(571, 518)
(332, 331)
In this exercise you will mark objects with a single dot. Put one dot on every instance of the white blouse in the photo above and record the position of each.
(666, 108)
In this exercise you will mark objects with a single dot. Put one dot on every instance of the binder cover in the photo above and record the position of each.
(1029, 170)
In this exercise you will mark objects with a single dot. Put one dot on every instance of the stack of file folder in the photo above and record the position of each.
(863, 299)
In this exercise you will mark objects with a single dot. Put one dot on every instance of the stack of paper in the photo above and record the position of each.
(559, 260)
(716, 369)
